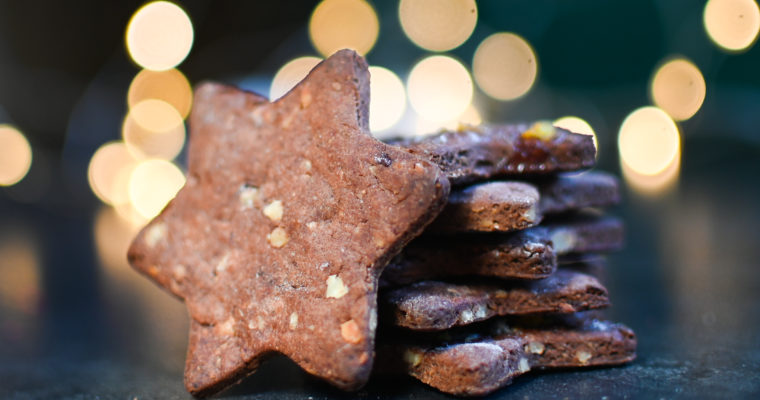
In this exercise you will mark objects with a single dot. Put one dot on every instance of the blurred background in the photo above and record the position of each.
(94, 97)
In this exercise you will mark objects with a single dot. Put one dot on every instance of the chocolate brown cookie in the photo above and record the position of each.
(434, 305)
(290, 212)
(479, 153)
(480, 364)
(527, 254)
(567, 192)
(503, 206)
(489, 207)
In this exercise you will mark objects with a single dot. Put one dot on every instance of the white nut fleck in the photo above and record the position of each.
(311, 225)
(412, 358)
(226, 328)
(583, 356)
(223, 263)
(466, 316)
(480, 312)
(155, 234)
(278, 237)
(336, 85)
(335, 287)
(536, 348)
(273, 211)
(523, 365)
(248, 196)
(306, 165)
(293, 324)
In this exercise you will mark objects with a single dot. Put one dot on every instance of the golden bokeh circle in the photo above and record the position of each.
(159, 35)
(152, 184)
(387, 98)
(678, 87)
(648, 141)
(170, 86)
(154, 129)
(732, 24)
(438, 25)
(341, 24)
(15, 155)
(439, 88)
(505, 66)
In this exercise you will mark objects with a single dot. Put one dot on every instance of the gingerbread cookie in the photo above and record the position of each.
(289, 214)
(477, 363)
(435, 305)
(527, 254)
(479, 153)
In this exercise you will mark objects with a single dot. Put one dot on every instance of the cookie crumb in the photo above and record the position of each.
(273, 211)
(278, 237)
(335, 287)
(349, 330)
(155, 234)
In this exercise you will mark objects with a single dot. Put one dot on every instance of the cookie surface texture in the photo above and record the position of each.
(290, 211)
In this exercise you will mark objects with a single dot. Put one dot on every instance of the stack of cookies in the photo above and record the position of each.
(291, 212)
(506, 278)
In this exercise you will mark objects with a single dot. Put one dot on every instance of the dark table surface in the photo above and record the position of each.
(76, 322)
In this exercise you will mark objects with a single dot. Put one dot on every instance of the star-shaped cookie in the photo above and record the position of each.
(289, 214)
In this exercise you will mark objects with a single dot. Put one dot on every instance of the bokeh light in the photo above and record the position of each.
(290, 74)
(648, 141)
(343, 24)
(678, 88)
(154, 129)
(159, 36)
(505, 66)
(15, 155)
(577, 125)
(170, 86)
(732, 24)
(656, 184)
(19, 274)
(387, 98)
(109, 171)
(152, 184)
(439, 87)
(113, 235)
(438, 25)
